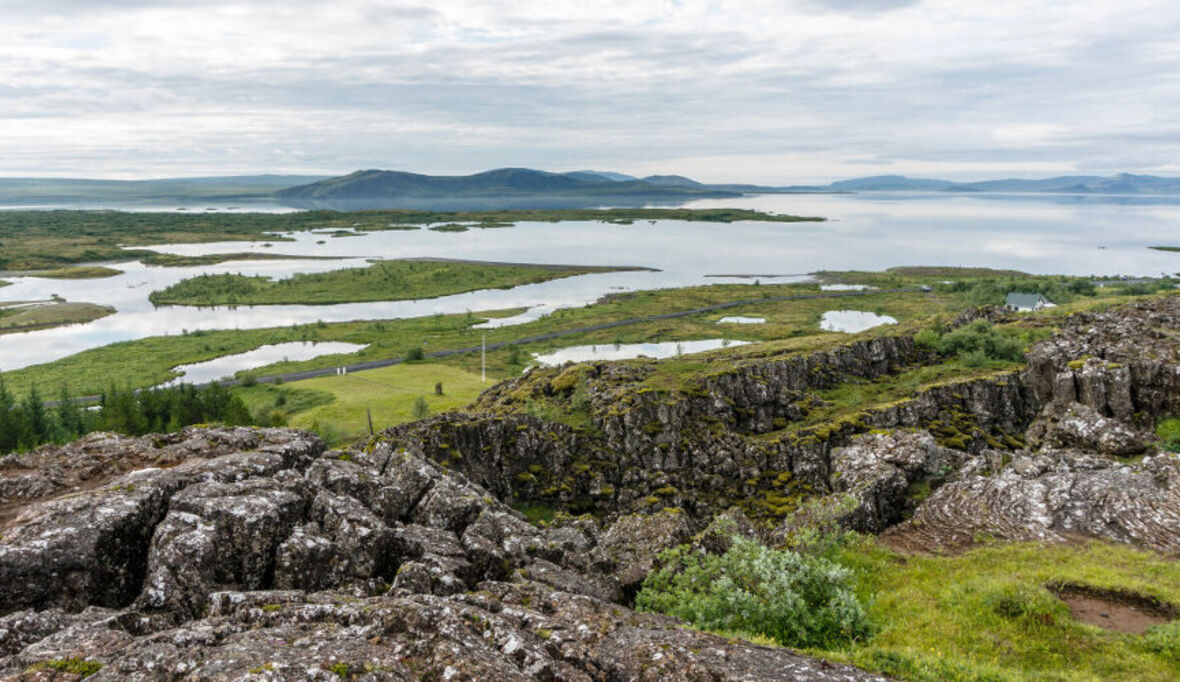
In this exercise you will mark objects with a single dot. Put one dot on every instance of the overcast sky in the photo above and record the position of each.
(721, 90)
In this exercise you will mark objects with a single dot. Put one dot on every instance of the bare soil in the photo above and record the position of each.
(1116, 611)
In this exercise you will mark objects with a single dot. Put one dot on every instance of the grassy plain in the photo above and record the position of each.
(388, 394)
(988, 614)
(392, 280)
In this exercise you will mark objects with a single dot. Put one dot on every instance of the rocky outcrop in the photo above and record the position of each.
(281, 561)
(1052, 496)
(876, 470)
(1123, 362)
(1082, 427)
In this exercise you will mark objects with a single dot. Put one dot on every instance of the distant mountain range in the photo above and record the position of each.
(1123, 183)
(67, 191)
(505, 188)
(501, 188)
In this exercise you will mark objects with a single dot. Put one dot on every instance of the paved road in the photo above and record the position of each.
(387, 362)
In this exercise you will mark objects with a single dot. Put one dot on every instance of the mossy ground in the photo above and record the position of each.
(989, 615)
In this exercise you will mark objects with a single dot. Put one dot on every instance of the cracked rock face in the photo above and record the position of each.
(877, 470)
(1052, 496)
(263, 557)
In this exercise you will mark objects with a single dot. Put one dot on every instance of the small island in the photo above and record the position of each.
(394, 280)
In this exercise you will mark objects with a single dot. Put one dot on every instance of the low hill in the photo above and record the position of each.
(58, 191)
(1123, 183)
(500, 188)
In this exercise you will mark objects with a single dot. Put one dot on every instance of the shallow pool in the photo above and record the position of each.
(625, 351)
(228, 365)
(852, 321)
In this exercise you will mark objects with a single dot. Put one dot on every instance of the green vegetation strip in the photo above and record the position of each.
(35, 240)
(86, 272)
(51, 314)
(172, 260)
(382, 281)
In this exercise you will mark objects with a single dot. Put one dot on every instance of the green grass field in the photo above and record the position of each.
(989, 615)
(338, 407)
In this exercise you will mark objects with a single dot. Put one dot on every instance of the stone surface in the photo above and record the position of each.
(279, 561)
(1052, 496)
(877, 469)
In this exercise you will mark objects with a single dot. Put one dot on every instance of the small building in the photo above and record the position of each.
(1024, 303)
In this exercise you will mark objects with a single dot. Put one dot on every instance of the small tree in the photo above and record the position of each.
(421, 410)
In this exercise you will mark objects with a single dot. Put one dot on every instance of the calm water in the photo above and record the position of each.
(852, 321)
(228, 365)
(1035, 233)
(626, 351)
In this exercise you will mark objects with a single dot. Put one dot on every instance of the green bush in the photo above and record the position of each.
(796, 600)
(982, 338)
(1164, 639)
(1169, 432)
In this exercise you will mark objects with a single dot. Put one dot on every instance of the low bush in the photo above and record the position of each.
(794, 599)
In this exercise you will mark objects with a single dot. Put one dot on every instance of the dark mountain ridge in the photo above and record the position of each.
(499, 188)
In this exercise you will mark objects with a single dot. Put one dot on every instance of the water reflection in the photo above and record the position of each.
(228, 365)
(625, 351)
(741, 319)
(852, 321)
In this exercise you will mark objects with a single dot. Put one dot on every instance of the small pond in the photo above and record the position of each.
(625, 351)
(226, 366)
(845, 287)
(852, 321)
(741, 319)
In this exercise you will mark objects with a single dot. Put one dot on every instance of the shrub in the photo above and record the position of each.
(421, 410)
(1164, 639)
(796, 600)
(414, 354)
(1169, 432)
(927, 338)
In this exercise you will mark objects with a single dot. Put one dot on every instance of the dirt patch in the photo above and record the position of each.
(1114, 610)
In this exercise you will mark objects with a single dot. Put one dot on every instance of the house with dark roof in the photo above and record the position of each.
(1024, 303)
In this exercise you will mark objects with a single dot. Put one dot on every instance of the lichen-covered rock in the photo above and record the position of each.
(1082, 427)
(1052, 496)
(628, 550)
(877, 470)
(371, 563)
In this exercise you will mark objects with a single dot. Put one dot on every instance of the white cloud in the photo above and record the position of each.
(760, 90)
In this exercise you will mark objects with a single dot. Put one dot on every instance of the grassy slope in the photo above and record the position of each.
(986, 614)
(381, 281)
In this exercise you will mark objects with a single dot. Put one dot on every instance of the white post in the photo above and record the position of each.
(483, 359)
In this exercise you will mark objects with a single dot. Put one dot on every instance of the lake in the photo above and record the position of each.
(1043, 234)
